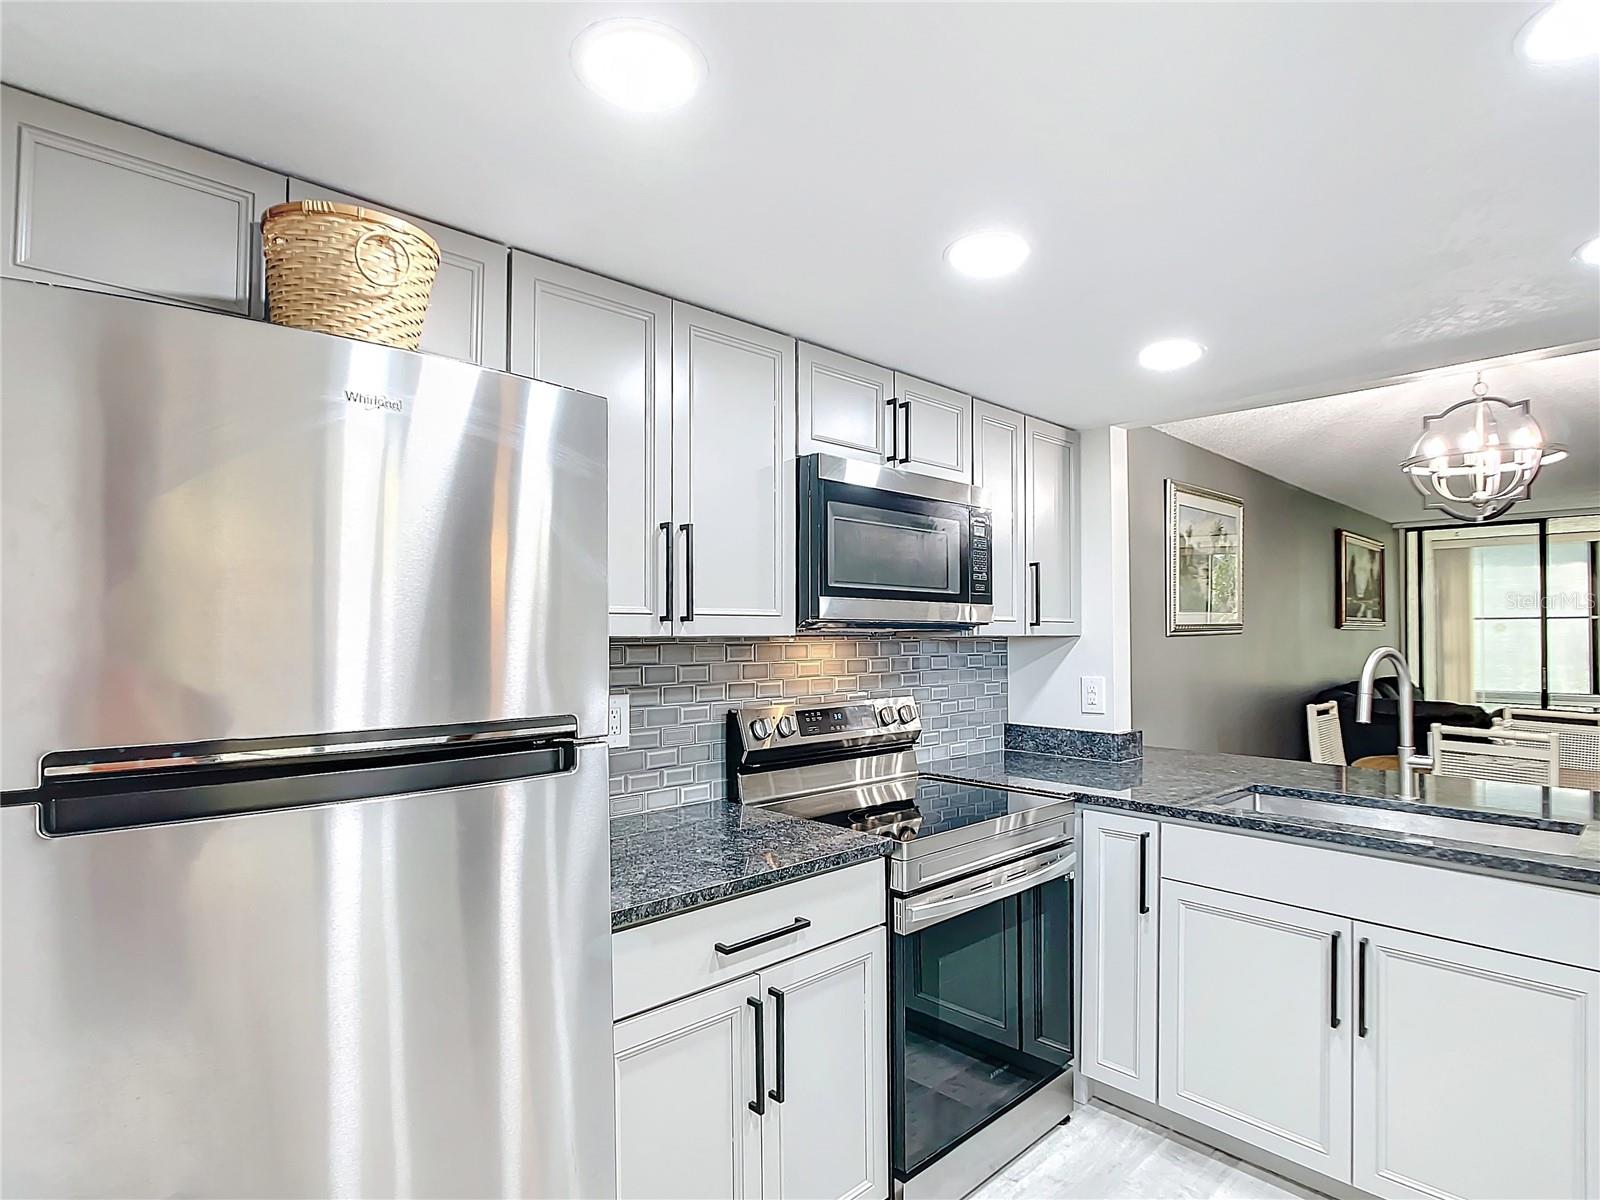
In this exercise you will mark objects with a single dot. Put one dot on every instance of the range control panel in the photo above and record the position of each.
(800, 723)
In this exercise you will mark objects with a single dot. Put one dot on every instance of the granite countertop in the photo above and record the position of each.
(1188, 785)
(681, 858)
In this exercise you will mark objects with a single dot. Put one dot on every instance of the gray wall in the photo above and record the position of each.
(1244, 693)
(680, 691)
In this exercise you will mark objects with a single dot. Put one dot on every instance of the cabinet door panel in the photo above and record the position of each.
(584, 331)
(1119, 951)
(685, 1076)
(1052, 541)
(935, 429)
(1479, 1075)
(997, 466)
(733, 475)
(467, 307)
(1250, 993)
(844, 406)
(93, 203)
(828, 1136)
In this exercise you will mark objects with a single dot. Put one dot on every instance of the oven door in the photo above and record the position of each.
(981, 1004)
(889, 548)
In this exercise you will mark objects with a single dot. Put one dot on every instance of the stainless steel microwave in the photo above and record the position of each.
(887, 549)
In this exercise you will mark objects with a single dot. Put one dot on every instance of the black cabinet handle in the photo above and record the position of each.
(1361, 987)
(1144, 874)
(894, 432)
(759, 1104)
(905, 451)
(771, 935)
(777, 999)
(688, 571)
(666, 604)
(1333, 984)
(1038, 619)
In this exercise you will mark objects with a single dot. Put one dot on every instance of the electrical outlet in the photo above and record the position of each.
(617, 720)
(1094, 694)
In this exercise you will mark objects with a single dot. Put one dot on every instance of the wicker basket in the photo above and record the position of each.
(347, 270)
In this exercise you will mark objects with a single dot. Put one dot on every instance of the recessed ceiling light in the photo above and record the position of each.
(1567, 30)
(987, 255)
(1170, 354)
(1589, 252)
(642, 66)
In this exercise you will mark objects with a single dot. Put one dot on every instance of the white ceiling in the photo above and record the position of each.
(1324, 194)
(1349, 447)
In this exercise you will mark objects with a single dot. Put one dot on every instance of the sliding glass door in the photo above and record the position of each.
(1505, 614)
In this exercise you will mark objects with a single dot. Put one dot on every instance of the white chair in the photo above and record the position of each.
(1322, 729)
(1498, 753)
(1577, 736)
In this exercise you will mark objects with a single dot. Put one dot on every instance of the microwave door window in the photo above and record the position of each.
(882, 551)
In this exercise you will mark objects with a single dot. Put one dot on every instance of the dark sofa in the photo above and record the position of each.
(1383, 735)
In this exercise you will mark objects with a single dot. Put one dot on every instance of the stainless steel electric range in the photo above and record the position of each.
(981, 918)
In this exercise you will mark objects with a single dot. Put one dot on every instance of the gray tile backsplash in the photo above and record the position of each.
(681, 690)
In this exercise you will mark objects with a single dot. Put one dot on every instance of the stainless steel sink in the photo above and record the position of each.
(1488, 832)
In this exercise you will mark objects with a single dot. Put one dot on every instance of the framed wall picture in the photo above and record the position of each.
(1205, 561)
(1361, 582)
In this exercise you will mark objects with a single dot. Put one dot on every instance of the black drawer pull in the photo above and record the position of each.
(771, 935)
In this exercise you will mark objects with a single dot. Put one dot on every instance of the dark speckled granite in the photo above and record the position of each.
(1075, 743)
(666, 862)
(1185, 785)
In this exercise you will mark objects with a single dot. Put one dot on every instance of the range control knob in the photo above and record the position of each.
(760, 729)
(786, 726)
(907, 713)
(886, 716)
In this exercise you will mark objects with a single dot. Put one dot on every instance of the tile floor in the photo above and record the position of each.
(1106, 1154)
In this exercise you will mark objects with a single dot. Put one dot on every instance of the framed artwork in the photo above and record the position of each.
(1205, 561)
(1361, 580)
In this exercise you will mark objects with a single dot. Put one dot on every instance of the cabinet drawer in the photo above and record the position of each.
(1506, 914)
(655, 963)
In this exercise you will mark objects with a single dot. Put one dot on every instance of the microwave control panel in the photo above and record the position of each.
(980, 584)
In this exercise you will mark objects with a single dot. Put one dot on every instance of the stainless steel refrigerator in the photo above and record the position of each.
(303, 673)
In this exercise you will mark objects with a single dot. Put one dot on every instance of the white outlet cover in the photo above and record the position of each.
(617, 720)
(1094, 694)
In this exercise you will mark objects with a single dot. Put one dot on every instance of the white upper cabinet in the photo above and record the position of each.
(467, 307)
(1052, 601)
(1256, 1023)
(93, 203)
(1477, 1072)
(591, 333)
(997, 467)
(846, 406)
(1118, 862)
(733, 414)
(935, 431)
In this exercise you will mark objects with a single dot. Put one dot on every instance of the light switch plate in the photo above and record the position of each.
(1094, 694)
(617, 719)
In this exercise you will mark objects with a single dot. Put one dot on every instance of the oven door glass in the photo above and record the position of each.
(882, 545)
(982, 1018)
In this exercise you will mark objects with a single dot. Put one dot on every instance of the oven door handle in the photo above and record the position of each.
(914, 914)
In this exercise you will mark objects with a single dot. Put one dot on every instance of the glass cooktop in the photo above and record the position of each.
(940, 806)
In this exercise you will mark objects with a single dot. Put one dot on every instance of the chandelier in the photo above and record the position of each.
(1478, 458)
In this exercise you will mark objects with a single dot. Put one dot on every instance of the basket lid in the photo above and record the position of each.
(322, 207)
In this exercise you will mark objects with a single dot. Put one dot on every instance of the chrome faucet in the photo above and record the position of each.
(1410, 760)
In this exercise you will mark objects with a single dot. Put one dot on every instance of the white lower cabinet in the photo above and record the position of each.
(1477, 1072)
(683, 1075)
(1119, 874)
(772, 1085)
(1255, 1026)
